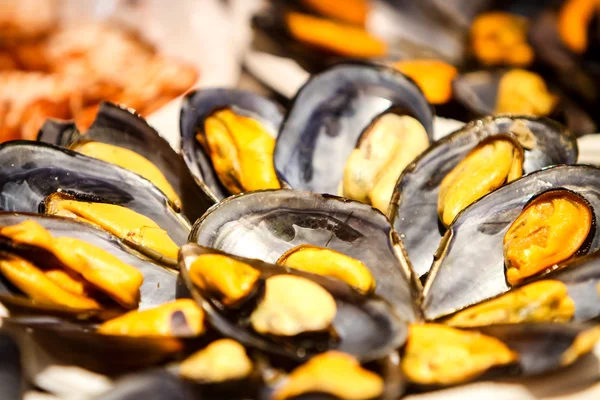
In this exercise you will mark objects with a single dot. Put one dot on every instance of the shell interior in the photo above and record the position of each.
(197, 106)
(265, 224)
(330, 112)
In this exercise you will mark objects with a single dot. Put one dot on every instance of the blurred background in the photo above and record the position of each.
(61, 58)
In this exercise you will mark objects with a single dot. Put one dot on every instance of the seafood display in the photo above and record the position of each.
(66, 71)
(330, 249)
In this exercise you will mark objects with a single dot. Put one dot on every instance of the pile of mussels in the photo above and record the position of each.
(337, 250)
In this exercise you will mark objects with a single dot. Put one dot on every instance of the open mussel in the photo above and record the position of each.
(565, 39)
(227, 141)
(418, 199)
(368, 121)
(124, 138)
(43, 244)
(288, 312)
(521, 92)
(267, 225)
(39, 177)
(439, 355)
(71, 286)
(513, 235)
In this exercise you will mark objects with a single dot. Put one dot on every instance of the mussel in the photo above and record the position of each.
(439, 355)
(44, 178)
(227, 140)
(513, 235)
(67, 259)
(11, 385)
(291, 313)
(367, 121)
(122, 137)
(265, 225)
(31, 238)
(414, 207)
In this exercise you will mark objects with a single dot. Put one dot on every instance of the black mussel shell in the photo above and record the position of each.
(78, 344)
(265, 224)
(330, 112)
(124, 128)
(413, 209)
(365, 326)
(11, 381)
(470, 265)
(197, 106)
(576, 74)
(159, 282)
(477, 92)
(541, 346)
(34, 170)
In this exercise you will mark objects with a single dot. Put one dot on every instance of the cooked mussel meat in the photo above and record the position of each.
(130, 160)
(513, 91)
(329, 373)
(231, 280)
(441, 355)
(136, 229)
(334, 37)
(573, 23)
(550, 229)
(367, 120)
(438, 354)
(526, 229)
(296, 314)
(523, 92)
(241, 150)
(222, 360)
(354, 11)
(493, 162)
(500, 38)
(180, 318)
(293, 305)
(74, 270)
(386, 147)
(227, 140)
(324, 261)
(434, 77)
(86, 262)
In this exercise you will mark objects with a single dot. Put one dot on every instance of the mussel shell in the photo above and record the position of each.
(366, 326)
(540, 346)
(78, 344)
(413, 209)
(477, 92)
(265, 224)
(330, 112)
(581, 275)
(124, 128)
(471, 268)
(11, 384)
(34, 170)
(158, 286)
(157, 384)
(197, 106)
